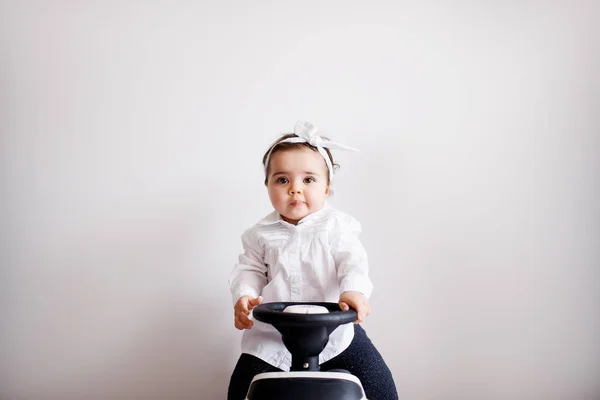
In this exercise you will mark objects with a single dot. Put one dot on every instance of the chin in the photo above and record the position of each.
(297, 217)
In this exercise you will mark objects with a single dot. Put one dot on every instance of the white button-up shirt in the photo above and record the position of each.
(313, 261)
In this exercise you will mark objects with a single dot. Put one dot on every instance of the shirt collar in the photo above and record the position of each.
(275, 217)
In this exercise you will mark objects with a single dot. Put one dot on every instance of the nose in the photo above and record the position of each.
(295, 190)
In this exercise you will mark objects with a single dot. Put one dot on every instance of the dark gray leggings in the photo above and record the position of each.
(361, 358)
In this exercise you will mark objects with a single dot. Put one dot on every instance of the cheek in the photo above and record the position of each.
(275, 194)
(317, 194)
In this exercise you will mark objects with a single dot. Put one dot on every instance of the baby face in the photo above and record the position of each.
(297, 183)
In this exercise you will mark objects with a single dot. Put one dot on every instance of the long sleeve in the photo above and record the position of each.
(249, 275)
(351, 260)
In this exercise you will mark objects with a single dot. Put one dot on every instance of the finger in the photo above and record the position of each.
(360, 312)
(244, 318)
(242, 322)
(242, 326)
(242, 307)
(254, 302)
(239, 325)
(240, 310)
(364, 311)
(344, 306)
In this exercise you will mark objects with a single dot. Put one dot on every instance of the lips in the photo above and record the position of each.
(296, 203)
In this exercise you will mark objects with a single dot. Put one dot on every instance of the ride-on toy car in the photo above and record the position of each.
(305, 330)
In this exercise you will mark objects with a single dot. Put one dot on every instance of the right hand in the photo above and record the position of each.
(242, 309)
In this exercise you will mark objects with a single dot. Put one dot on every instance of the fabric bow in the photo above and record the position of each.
(307, 133)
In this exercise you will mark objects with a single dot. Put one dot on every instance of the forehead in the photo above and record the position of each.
(297, 160)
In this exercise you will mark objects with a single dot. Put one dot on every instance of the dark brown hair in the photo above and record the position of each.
(278, 146)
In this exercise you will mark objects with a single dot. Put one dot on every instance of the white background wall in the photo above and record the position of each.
(131, 137)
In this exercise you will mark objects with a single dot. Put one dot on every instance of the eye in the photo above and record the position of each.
(282, 180)
(309, 179)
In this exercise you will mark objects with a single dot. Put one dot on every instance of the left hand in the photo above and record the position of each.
(358, 301)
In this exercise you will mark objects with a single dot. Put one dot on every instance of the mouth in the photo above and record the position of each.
(296, 203)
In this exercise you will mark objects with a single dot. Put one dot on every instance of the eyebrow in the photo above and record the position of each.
(305, 172)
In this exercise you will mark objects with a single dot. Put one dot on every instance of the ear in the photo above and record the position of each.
(327, 190)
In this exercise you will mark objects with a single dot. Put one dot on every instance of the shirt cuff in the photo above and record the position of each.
(244, 290)
(355, 284)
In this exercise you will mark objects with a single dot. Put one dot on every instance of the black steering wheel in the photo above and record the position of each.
(304, 335)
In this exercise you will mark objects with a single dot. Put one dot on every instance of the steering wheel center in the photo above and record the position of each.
(304, 328)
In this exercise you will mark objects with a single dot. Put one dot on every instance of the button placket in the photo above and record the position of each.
(295, 272)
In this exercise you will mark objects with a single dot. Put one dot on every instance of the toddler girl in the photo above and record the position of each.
(305, 250)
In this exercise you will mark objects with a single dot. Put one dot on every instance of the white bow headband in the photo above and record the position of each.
(307, 133)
